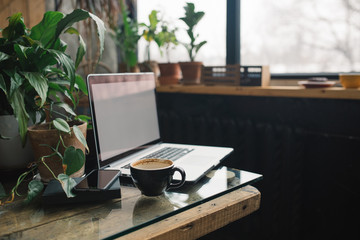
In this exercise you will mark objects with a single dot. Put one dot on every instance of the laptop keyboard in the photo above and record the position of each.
(170, 153)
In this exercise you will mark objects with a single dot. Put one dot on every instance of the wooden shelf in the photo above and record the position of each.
(271, 91)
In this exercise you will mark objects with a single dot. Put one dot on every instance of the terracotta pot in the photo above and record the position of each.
(41, 134)
(170, 73)
(123, 68)
(191, 72)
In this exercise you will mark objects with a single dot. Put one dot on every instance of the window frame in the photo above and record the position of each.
(233, 26)
(233, 45)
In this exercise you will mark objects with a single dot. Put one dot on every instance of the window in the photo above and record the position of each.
(291, 36)
(307, 36)
(211, 28)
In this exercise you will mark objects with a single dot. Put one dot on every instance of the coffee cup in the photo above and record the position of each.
(152, 176)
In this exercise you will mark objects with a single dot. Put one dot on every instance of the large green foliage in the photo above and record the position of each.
(34, 68)
(34, 72)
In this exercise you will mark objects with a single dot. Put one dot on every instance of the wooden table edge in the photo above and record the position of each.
(203, 219)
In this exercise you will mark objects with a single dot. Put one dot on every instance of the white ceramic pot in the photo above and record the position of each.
(12, 154)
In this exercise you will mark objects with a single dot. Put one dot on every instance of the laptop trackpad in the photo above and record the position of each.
(197, 160)
(195, 166)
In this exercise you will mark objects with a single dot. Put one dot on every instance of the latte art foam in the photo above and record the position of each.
(152, 164)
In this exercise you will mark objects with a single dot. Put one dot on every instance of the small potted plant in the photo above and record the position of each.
(127, 37)
(191, 71)
(35, 76)
(170, 73)
(151, 34)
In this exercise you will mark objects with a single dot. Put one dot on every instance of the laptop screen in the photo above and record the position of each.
(124, 114)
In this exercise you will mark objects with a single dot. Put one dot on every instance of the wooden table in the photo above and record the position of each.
(203, 219)
(188, 214)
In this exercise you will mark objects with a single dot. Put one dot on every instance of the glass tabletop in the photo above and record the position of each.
(147, 210)
(115, 218)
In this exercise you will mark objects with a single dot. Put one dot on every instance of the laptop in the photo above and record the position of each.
(125, 122)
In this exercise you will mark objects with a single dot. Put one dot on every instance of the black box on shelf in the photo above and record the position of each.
(221, 75)
(236, 75)
(254, 76)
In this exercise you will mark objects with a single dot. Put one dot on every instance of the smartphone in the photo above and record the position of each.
(98, 180)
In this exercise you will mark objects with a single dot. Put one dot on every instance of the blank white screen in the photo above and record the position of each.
(126, 115)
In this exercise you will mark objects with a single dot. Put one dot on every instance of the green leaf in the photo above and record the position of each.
(42, 59)
(66, 107)
(79, 15)
(55, 88)
(3, 56)
(16, 27)
(71, 18)
(22, 117)
(153, 19)
(61, 125)
(67, 184)
(16, 81)
(83, 118)
(59, 81)
(199, 46)
(67, 63)
(82, 46)
(100, 31)
(81, 84)
(131, 58)
(80, 136)
(80, 52)
(35, 187)
(46, 29)
(39, 83)
(198, 16)
(143, 25)
(3, 84)
(74, 160)
(21, 52)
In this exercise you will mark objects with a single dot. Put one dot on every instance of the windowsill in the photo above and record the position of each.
(270, 91)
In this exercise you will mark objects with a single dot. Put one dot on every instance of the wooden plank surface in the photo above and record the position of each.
(94, 221)
(203, 219)
(270, 91)
(71, 221)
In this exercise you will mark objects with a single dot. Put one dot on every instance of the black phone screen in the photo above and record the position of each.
(98, 179)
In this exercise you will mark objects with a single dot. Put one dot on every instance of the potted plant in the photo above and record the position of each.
(170, 73)
(150, 34)
(126, 38)
(35, 75)
(191, 71)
